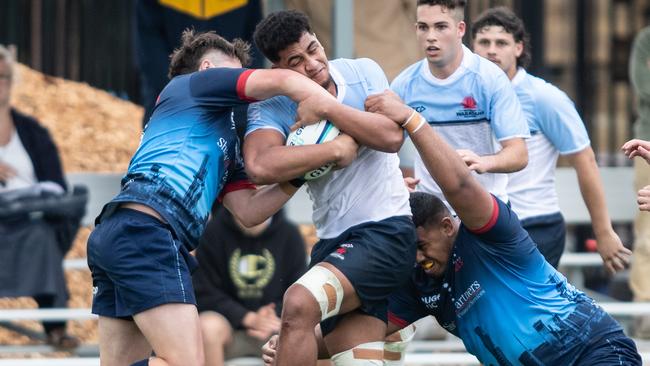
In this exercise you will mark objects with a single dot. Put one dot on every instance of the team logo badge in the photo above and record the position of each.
(341, 251)
(468, 102)
(470, 108)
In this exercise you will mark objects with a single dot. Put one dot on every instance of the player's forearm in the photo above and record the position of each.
(512, 158)
(591, 188)
(252, 207)
(264, 84)
(373, 130)
(283, 163)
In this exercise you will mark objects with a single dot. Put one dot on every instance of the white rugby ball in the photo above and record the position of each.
(317, 133)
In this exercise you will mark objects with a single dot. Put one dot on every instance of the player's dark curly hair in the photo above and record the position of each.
(511, 23)
(454, 5)
(427, 209)
(186, 58)
(279, 30)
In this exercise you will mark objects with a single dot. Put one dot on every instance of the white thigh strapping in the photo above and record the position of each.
(325, 288)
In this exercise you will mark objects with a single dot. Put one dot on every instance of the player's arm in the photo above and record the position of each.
(263, 84)
(510, 128)
(373, 130)
(268, 160)
(253, 206)
(511, 158)
(473, 204)
(611, 249)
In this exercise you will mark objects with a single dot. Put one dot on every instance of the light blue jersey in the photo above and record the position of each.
(472, 109)
(555, 128)
(371, 188)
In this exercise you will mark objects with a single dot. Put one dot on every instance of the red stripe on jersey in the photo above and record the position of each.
(235, 186)
(241, 86)
(493, 220)
(397, 320)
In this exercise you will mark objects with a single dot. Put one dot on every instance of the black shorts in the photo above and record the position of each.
(376, 257)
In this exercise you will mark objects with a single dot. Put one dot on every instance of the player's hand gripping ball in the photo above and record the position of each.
(318, 133)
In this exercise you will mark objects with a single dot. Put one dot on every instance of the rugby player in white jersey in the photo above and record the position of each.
(556, 129)
(467, 99)
(361, 213)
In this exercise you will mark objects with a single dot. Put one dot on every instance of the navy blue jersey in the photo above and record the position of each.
(498, 294)
(190, 152)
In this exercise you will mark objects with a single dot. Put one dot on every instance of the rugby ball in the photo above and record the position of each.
(317, 133)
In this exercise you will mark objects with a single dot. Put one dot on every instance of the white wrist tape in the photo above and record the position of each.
(325, 288)
(408, 119)
(365, 354)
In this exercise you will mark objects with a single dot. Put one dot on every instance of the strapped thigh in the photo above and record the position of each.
(326, 289)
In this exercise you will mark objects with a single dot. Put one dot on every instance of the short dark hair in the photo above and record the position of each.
(449, 4)
(511, 23)
(186, 58)
(427, 209)
(279, 30)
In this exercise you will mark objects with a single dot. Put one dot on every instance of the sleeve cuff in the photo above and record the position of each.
(235, 186)
(493, 219)
(241, 86)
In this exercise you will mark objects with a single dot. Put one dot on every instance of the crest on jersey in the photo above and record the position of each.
(469, 102)
(470, 109)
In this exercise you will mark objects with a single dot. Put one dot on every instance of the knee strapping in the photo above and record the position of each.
(394, 351)
(365, 354)
(325, 288)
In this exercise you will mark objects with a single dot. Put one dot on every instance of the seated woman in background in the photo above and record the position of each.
(31, 257)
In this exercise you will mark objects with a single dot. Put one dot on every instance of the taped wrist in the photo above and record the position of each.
(414, 123)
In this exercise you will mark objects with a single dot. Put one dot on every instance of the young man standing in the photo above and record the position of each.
(465, 98)
(555, 128)
(361, 213)
(189, 154)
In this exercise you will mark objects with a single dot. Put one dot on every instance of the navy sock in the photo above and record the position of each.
(144, 362)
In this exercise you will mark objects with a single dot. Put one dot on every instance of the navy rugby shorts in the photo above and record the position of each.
(137, 264)
(376, 257)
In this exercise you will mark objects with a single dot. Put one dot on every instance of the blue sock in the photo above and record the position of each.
(144, 362)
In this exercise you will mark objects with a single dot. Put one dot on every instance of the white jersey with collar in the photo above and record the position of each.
(474, 109)
(369, 189)
(556, 128)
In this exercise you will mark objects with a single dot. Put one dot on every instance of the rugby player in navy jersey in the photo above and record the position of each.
(482, 276)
